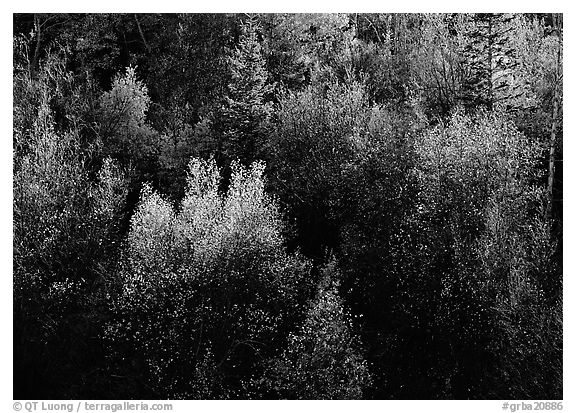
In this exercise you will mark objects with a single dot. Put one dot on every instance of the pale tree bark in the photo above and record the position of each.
(142, 34)
(38, 34)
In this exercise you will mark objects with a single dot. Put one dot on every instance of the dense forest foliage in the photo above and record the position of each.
(309, 206)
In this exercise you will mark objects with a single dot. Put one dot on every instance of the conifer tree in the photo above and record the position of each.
(323, 360)
(246, 113)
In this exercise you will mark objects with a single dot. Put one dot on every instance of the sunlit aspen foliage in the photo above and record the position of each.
(211, 279)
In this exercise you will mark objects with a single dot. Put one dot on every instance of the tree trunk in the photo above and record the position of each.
(36, 57)
(142, 34)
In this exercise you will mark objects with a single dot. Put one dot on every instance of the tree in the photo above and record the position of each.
(123, 113)
(556, 102)
(421, 151)
(323, 360)
(478, 221)
(539, 48)
(385, 46)
(246, 112)
(311, 143)
(67, 227)
(522, 283)
(372, 202)
(436, 65)
(123, 127)
(308, 48)
(206, 290)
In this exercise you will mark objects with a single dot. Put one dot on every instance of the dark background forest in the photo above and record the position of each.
(301, 206)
